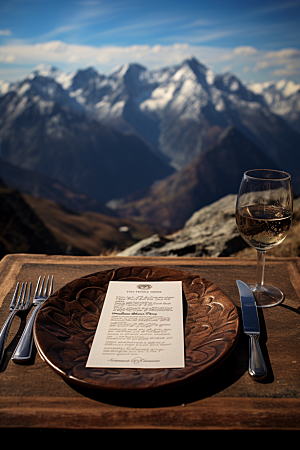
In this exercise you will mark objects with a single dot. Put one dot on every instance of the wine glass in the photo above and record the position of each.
(264, 211)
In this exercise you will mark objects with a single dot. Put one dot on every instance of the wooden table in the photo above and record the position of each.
(34, 397)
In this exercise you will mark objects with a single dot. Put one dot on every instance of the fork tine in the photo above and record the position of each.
(20, 296)
(51, 286)
(41, 287)
(46, 287)
(16, 305)
(28, 297)
(12, 305)
(24, 348)
(37, 286)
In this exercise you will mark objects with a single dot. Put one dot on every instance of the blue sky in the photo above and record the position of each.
(256, 40)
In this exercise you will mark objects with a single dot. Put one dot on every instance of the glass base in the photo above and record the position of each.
(266, 295)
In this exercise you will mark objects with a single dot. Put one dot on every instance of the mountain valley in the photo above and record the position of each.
(138, 148)
(33, 225)
(212, 175)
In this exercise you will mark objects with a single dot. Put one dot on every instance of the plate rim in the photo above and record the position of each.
(187, 378)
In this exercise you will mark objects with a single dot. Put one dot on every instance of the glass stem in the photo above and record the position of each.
(260, 274)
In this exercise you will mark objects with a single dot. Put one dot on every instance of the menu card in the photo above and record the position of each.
(140, 326)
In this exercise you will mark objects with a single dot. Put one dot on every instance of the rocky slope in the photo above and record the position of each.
(21, 230)
(33, 225)
(88, 232)
(212, 232)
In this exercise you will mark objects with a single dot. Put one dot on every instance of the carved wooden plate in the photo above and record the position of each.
(66, 323)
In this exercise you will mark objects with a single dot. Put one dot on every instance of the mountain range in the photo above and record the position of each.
(215, 173)
(283, 98)
(152, 144)
(44, 130)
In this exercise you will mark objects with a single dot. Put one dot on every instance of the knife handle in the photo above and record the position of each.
(257, 366)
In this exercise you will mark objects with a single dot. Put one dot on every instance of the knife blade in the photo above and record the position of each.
(257, 368)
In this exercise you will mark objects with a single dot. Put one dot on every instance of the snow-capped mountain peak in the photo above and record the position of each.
(177, 110)
(285, 87)
(45, 71)
(54, 73)
(283, 98)
(121, 70)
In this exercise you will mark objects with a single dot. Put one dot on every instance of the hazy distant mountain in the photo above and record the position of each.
(180, 110)
(213, 174)
(283, 98)
(107, 136)
(44, 129)
(41, 186)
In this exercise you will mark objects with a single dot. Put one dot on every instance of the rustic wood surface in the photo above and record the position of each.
(33, 396)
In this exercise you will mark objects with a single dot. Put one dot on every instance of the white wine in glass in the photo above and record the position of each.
(264, 211)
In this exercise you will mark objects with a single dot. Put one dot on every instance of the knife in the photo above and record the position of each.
(257, 366)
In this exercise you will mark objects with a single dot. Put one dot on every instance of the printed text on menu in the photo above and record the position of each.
(140, 326)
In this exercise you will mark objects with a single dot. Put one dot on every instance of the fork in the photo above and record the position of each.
(24, 348)
(18, 304)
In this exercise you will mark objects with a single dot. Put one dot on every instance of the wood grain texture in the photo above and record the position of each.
(209, 414)
(226, 398)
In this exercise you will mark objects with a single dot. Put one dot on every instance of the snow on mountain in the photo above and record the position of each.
(283, 98)
(133, 97)
(177, 111)
(54, 73)
(285, 87)
(186, 89)
(36, 91)
(4, 87)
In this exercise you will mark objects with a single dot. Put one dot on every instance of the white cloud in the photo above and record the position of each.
(53, 47)
(226, 68)
(245, 50)
(261, 65)
(284, 54)
(7, 58)
(5, 33)
(243, 60)
(57, 52)
(283, 62)
(285, 72)
(227, 57)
